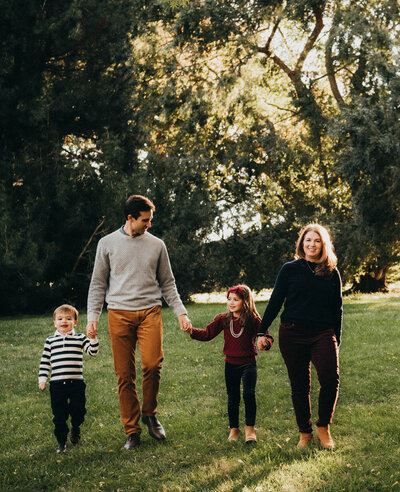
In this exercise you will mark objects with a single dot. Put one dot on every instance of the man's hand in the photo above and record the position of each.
(91, 329)
(42, 386)
(185, 323)
(187, 328)
(263, 343)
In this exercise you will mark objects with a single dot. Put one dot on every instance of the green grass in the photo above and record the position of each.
(192, 407)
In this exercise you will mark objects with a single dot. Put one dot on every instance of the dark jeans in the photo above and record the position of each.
(67, 398)
(234, 374)
(299, 347)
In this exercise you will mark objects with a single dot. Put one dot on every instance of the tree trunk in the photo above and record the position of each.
(372, 282)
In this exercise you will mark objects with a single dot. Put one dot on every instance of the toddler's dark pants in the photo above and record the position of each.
(300, 346)
(234, 374)
(67, 398)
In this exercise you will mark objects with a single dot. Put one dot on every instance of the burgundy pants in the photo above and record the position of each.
(301, 345)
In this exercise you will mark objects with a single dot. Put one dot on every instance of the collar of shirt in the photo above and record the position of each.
(125, 234)
(70, 333)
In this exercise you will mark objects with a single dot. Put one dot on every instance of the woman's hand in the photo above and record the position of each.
(263, 343)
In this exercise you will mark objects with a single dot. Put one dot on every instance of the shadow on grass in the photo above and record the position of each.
(262, 467)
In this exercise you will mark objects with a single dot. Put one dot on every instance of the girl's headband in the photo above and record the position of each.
(234, 290)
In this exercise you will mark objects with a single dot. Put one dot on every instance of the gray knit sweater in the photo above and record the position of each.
(131, 273)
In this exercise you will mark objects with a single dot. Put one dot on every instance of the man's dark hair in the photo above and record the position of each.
(136, 204)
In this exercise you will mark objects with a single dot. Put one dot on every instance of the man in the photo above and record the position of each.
(131, 273)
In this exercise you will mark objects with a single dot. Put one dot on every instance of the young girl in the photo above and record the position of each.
(240, 326)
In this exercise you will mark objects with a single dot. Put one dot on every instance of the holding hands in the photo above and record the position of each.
(91, 329)
(185, 324)
(263, 343)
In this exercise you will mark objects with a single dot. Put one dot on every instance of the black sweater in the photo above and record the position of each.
(310, 300)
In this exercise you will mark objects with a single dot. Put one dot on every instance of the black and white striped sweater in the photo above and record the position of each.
(63, 354)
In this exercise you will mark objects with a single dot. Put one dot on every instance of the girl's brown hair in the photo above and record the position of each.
(249, 309)
(327, 260)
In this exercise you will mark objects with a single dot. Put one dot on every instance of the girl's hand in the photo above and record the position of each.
(187, 327)
(42, 386)
(263, 343)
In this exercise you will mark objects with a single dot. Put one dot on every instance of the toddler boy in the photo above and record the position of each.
(63, 354)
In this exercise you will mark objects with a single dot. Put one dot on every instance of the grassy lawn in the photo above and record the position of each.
(192, 407)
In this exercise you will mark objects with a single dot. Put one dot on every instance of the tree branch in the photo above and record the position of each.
(282, 65)
(278, 61)
(294, 113)
(319, 24)
(274, 29)
(304, 94)
(265, 49)
(86, 247)
(331, 73)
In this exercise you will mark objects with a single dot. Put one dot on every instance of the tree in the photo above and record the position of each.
(257, 115)
(85, 92)
(62, 99)
(368, 131)
(319, 64)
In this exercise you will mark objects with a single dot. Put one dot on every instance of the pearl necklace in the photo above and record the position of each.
(235, 335)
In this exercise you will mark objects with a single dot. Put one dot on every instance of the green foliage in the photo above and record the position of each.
(78, 116)
(192, 406)
(252, 258)
(368, 131)
(227, 114)
(370, 163)
(63, 91)
(330, 144)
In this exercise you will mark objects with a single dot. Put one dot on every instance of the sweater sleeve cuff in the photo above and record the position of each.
(179, 310)
(42, 379)
(93, 317)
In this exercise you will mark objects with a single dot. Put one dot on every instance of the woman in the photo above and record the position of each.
(310, 329)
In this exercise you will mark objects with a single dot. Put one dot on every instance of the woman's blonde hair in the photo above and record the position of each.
(327, 260)
(249, 309)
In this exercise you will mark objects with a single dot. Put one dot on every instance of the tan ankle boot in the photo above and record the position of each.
(305, 440)
(234, 434)
(250, 434)
(325, 437)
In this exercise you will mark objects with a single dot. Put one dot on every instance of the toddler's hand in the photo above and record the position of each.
(42, 386)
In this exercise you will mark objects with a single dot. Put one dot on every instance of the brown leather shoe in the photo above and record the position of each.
(234, 434)
(305, 440)
(156, 430)
(250, 433)
(132, 442)
(325, 437)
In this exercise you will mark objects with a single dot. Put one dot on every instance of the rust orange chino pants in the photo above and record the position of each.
(126, 328)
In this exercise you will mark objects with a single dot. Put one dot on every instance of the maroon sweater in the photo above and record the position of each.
(240, 350)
